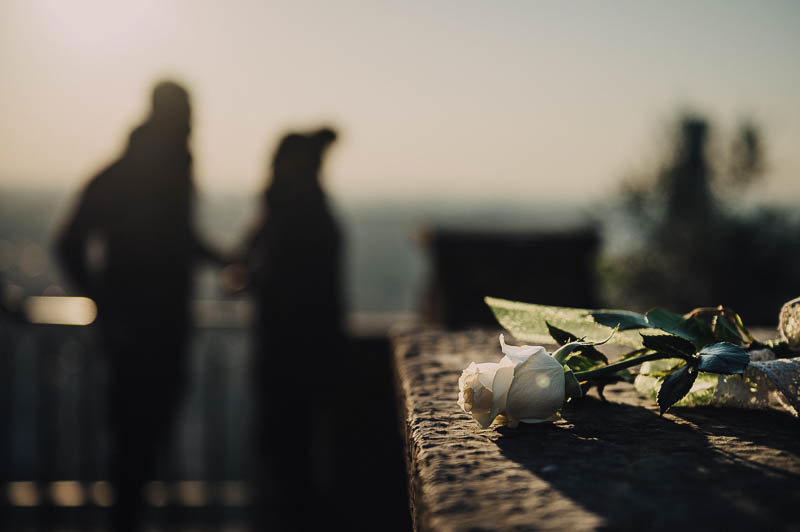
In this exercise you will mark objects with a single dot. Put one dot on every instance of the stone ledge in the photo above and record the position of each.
(614, 465)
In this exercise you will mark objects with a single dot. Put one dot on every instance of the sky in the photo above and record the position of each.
(472, 99)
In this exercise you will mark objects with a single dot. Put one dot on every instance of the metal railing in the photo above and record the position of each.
(54, 433)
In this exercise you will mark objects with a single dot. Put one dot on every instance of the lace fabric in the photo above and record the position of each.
(767, 383)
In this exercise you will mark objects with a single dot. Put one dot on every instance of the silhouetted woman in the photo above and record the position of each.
(295, 263)
(131, 246)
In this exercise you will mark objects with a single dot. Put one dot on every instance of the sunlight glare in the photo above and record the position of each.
(84, 23)
(60, 310)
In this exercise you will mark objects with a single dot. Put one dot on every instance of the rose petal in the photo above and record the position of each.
(484, 419)
(500, 385)
(505, 361)
(486, 373)
(469, 370)
(519, 354)
(537, 391)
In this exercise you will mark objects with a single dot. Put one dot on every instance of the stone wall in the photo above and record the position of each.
(605, 465)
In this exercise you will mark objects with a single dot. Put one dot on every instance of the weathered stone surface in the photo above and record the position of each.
(789, 323)
(615, 465)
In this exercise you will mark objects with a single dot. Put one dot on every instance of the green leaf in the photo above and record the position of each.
(675, 386)
(592, 353)
(674, 346)
(572, 388)
(563, 337)
(657, 318)
(741, 328)
(665, 320)
(528, 323)
(724, 358)
(692, 329)
(725, 330)
(577, 362)
(625, 319)
(565, 350)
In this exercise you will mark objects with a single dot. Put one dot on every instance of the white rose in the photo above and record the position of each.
(526, 385)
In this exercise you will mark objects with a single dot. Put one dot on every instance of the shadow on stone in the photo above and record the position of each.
(733, 470)
(777, 430)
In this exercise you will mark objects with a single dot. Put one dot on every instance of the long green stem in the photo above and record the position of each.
(635, 353)
(617, 366)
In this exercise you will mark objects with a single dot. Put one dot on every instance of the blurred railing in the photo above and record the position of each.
(54, 438)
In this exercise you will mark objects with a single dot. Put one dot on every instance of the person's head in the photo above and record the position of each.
(299, 157)
(170, 107)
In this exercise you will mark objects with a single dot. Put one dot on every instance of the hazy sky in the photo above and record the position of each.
(433, 98)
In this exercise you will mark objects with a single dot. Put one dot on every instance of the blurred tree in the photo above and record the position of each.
(694, 244)
(746, 162)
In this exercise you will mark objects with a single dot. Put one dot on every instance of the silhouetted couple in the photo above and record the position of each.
(131, 246)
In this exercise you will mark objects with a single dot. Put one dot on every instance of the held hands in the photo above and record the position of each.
(234, 277)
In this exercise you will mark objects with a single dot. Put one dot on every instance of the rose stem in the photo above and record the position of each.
(617, 366)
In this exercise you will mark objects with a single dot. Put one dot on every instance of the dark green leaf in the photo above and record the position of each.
(578, 362)
(698, 332)
(625, 319)
(724, 358)
(528, 322)
(563, 337)
(669, 345)
(663, 319)
(592, 353)
(741, 328)
(692, 329)
(675, 386)
(706, 320)
(572, 388)
(725, 330)
(560, 336)
(566, 350)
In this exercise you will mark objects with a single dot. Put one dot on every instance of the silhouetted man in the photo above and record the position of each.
(130, 245)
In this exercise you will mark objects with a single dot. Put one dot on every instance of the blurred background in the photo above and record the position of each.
(584, 154)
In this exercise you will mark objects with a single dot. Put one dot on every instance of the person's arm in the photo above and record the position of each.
(71, 242)
(198, 246)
